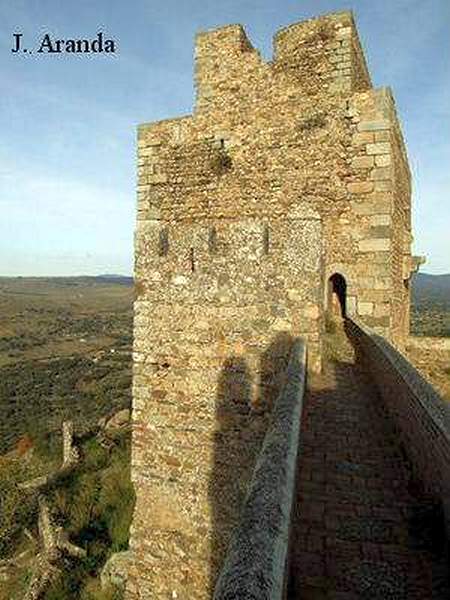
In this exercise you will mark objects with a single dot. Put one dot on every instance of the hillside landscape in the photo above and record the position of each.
(431, 305)
(65, 355)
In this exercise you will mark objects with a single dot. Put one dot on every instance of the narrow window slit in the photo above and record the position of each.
(212, 240)
(266, 239)
(163, 249)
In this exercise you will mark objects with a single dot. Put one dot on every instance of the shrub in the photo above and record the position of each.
(17, 510)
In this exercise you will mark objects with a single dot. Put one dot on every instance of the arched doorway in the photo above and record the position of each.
(337, 295)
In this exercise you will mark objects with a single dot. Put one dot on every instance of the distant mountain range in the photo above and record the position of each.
(431, 289)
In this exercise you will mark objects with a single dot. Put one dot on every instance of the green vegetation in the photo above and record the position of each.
(430, 320)
(95, 507)
(93, 503)
(430, 311)
(36, 396)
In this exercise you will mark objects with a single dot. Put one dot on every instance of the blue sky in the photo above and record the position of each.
(67, 151)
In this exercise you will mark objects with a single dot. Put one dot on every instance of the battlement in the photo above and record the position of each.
(228, 38)
(321, 55)
(328, 46)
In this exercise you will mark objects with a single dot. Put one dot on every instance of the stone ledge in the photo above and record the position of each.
(256, 562)
(421, 416)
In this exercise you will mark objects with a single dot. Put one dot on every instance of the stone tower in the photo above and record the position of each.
(289, 186)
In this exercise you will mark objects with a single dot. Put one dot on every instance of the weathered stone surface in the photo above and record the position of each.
(374, 245)
(362, 138)
(363, 162)
(115, 570)
(373, 125)
(376, 220)
(382, 160)
(256, 562)
(378, 148)
(365, 308)
(118, 420)
(360, 187)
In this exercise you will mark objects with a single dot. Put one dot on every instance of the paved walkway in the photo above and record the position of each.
(359, 531)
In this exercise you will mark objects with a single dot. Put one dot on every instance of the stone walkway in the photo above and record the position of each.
(359, 530)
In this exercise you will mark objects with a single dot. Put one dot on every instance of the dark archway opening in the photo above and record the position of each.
(337, 294)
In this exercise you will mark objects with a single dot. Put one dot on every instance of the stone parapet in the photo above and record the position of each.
(257, 559)
(421, 416)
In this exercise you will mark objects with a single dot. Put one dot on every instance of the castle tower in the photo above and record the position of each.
(287, 187)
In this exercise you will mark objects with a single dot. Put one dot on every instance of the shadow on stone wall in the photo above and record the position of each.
(241, 421)
(274, 362)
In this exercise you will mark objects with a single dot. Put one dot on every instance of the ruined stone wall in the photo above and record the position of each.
(245, 209)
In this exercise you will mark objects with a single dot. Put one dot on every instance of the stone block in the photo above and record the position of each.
(380, 322)
(378, 148)
(344, 33)
(382, 309)
(360, 187)
(153, 140)
(383, 186)
(382, 283)
(380, 231)
(376, 220)
(374, 245)
(363, 137)
(382, 160)
(373, 125)
(311, 311)
(351, 305)
(365, 282)
(157, 178)
(381, 174)
(363, 162)
(365, 308)
(382, 136)
(371, 207)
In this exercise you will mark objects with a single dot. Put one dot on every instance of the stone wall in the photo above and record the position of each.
(257, 561)
(279, 179)
(421, 416)
(433, 344)
(380, 201)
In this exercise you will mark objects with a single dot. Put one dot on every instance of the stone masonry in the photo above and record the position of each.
(287, 173)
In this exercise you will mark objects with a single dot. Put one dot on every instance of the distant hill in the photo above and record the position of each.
(431, 290)
(114, 278)
(68, 280)
(430, 310)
